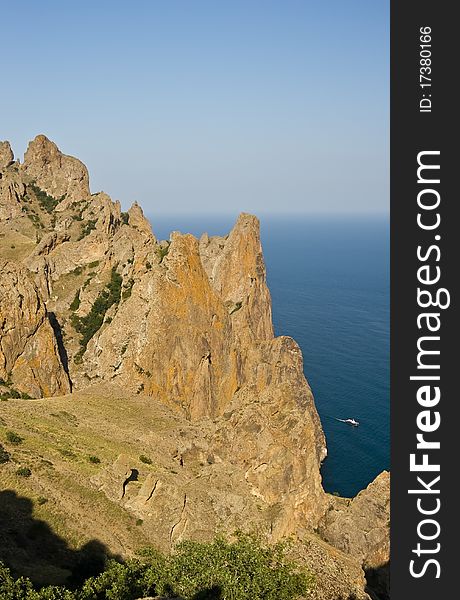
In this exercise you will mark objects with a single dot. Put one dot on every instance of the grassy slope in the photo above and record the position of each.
(59, 435)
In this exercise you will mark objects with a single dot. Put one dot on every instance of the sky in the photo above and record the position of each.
(194, 106)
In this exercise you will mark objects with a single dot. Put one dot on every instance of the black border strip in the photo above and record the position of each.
(413, 131)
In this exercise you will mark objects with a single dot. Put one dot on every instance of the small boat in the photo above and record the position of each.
(352, 422)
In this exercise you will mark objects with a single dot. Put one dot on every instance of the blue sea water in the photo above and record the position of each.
(329, 281)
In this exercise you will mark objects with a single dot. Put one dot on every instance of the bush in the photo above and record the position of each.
(117, 582)
(11, 393)
(74, 305)
(67, 453)
(14, 438)
(87, 228)
(162, 251)
(41, 500)
(22, 589)
(145, 459)
(4, 455)
(94, 459)
(127, 289)
(11, 589)
(23, 472)
(36, 220)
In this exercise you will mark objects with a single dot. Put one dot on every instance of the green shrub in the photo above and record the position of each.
(94, 459)
(12, 393)
(78, 358)
(67, 453)
(145, 459)
(36, 220)
(4, 455)
(162, 251)
(15, 589)
(89, 226)
(125, 218)
(14, 438)
(41, 500)
(22, 589)
(74, 305)
(127, 289)
(117, 582)
(23, 472)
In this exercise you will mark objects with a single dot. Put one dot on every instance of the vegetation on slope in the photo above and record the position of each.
(162, 251)
(89, 226)
(88, 325)
(46, 201)
(221, 570)
(11, 392)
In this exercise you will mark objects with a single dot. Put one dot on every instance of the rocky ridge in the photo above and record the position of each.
(88, 295)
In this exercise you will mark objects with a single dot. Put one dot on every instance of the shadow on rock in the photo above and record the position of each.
(31, 548)
(378, 582)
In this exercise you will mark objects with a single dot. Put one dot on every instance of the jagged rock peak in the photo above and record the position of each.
(59, 175)
(236, 269)
(138, 220)
(6, 155)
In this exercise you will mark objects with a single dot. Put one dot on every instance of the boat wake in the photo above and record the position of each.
(352, 422)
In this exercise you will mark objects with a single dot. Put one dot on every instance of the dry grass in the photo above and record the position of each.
(59, 435)
(15, 246)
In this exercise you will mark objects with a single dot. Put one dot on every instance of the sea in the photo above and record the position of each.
(329, 281)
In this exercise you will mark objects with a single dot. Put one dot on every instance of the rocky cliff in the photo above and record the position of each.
(29, 353)
(88, 296)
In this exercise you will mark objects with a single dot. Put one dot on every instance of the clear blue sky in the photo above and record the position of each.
(220, 106)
